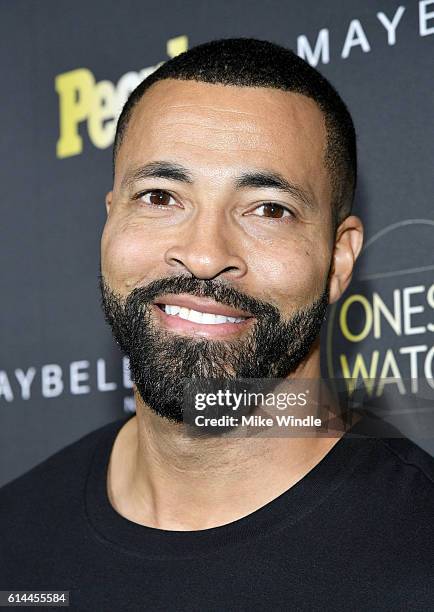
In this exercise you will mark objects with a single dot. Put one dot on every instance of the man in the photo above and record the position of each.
(229, 231)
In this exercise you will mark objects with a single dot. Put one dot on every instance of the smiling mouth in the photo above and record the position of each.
(196, 316)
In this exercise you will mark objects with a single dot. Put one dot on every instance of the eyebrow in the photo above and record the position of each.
(257, 179)
(158, 169)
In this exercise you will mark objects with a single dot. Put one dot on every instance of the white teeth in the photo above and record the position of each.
(183, 313)
(221, 319)
(194, 316)
(173, 310)
(199, 317)
(208, 318)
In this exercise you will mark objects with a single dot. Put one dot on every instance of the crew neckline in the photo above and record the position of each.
(286, 509)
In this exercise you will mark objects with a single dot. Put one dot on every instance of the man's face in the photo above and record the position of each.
(236, 222)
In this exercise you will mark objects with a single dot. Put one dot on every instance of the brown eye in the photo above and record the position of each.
(274, 211)
(156, 198)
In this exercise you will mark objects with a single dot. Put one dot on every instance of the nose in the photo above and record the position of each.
(207, 248)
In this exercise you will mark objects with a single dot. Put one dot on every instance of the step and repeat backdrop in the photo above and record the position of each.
(67, 69)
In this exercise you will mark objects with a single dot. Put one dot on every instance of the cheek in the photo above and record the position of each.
(292, 277)
(127, 255)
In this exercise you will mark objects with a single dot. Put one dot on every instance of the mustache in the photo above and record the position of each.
(219, 291)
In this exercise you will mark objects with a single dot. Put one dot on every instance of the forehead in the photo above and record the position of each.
(222, 128)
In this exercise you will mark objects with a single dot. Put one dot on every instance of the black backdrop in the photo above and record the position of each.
(67, 66)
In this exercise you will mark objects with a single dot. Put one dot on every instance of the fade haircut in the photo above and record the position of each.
(248, 62)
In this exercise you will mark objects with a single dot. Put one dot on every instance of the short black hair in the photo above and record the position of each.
(249, 62)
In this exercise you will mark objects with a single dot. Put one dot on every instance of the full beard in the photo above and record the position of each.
(160, 360)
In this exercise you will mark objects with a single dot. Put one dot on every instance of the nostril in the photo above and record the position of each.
(230, 269)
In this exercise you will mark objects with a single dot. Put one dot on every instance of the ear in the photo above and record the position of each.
(108, 201)
(348, 244)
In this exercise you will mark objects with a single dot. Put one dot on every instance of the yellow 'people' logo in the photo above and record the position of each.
(82, 99)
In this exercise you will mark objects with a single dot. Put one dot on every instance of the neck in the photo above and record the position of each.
(161, 478)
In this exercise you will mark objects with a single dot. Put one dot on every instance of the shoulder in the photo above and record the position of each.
(410, 457)
(396, 479)
(44, 509)
(56, 481)
(391, 452)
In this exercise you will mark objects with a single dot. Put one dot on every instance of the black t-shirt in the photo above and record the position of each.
(356, 533)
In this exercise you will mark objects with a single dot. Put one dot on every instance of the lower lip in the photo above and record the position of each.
(199, 329)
